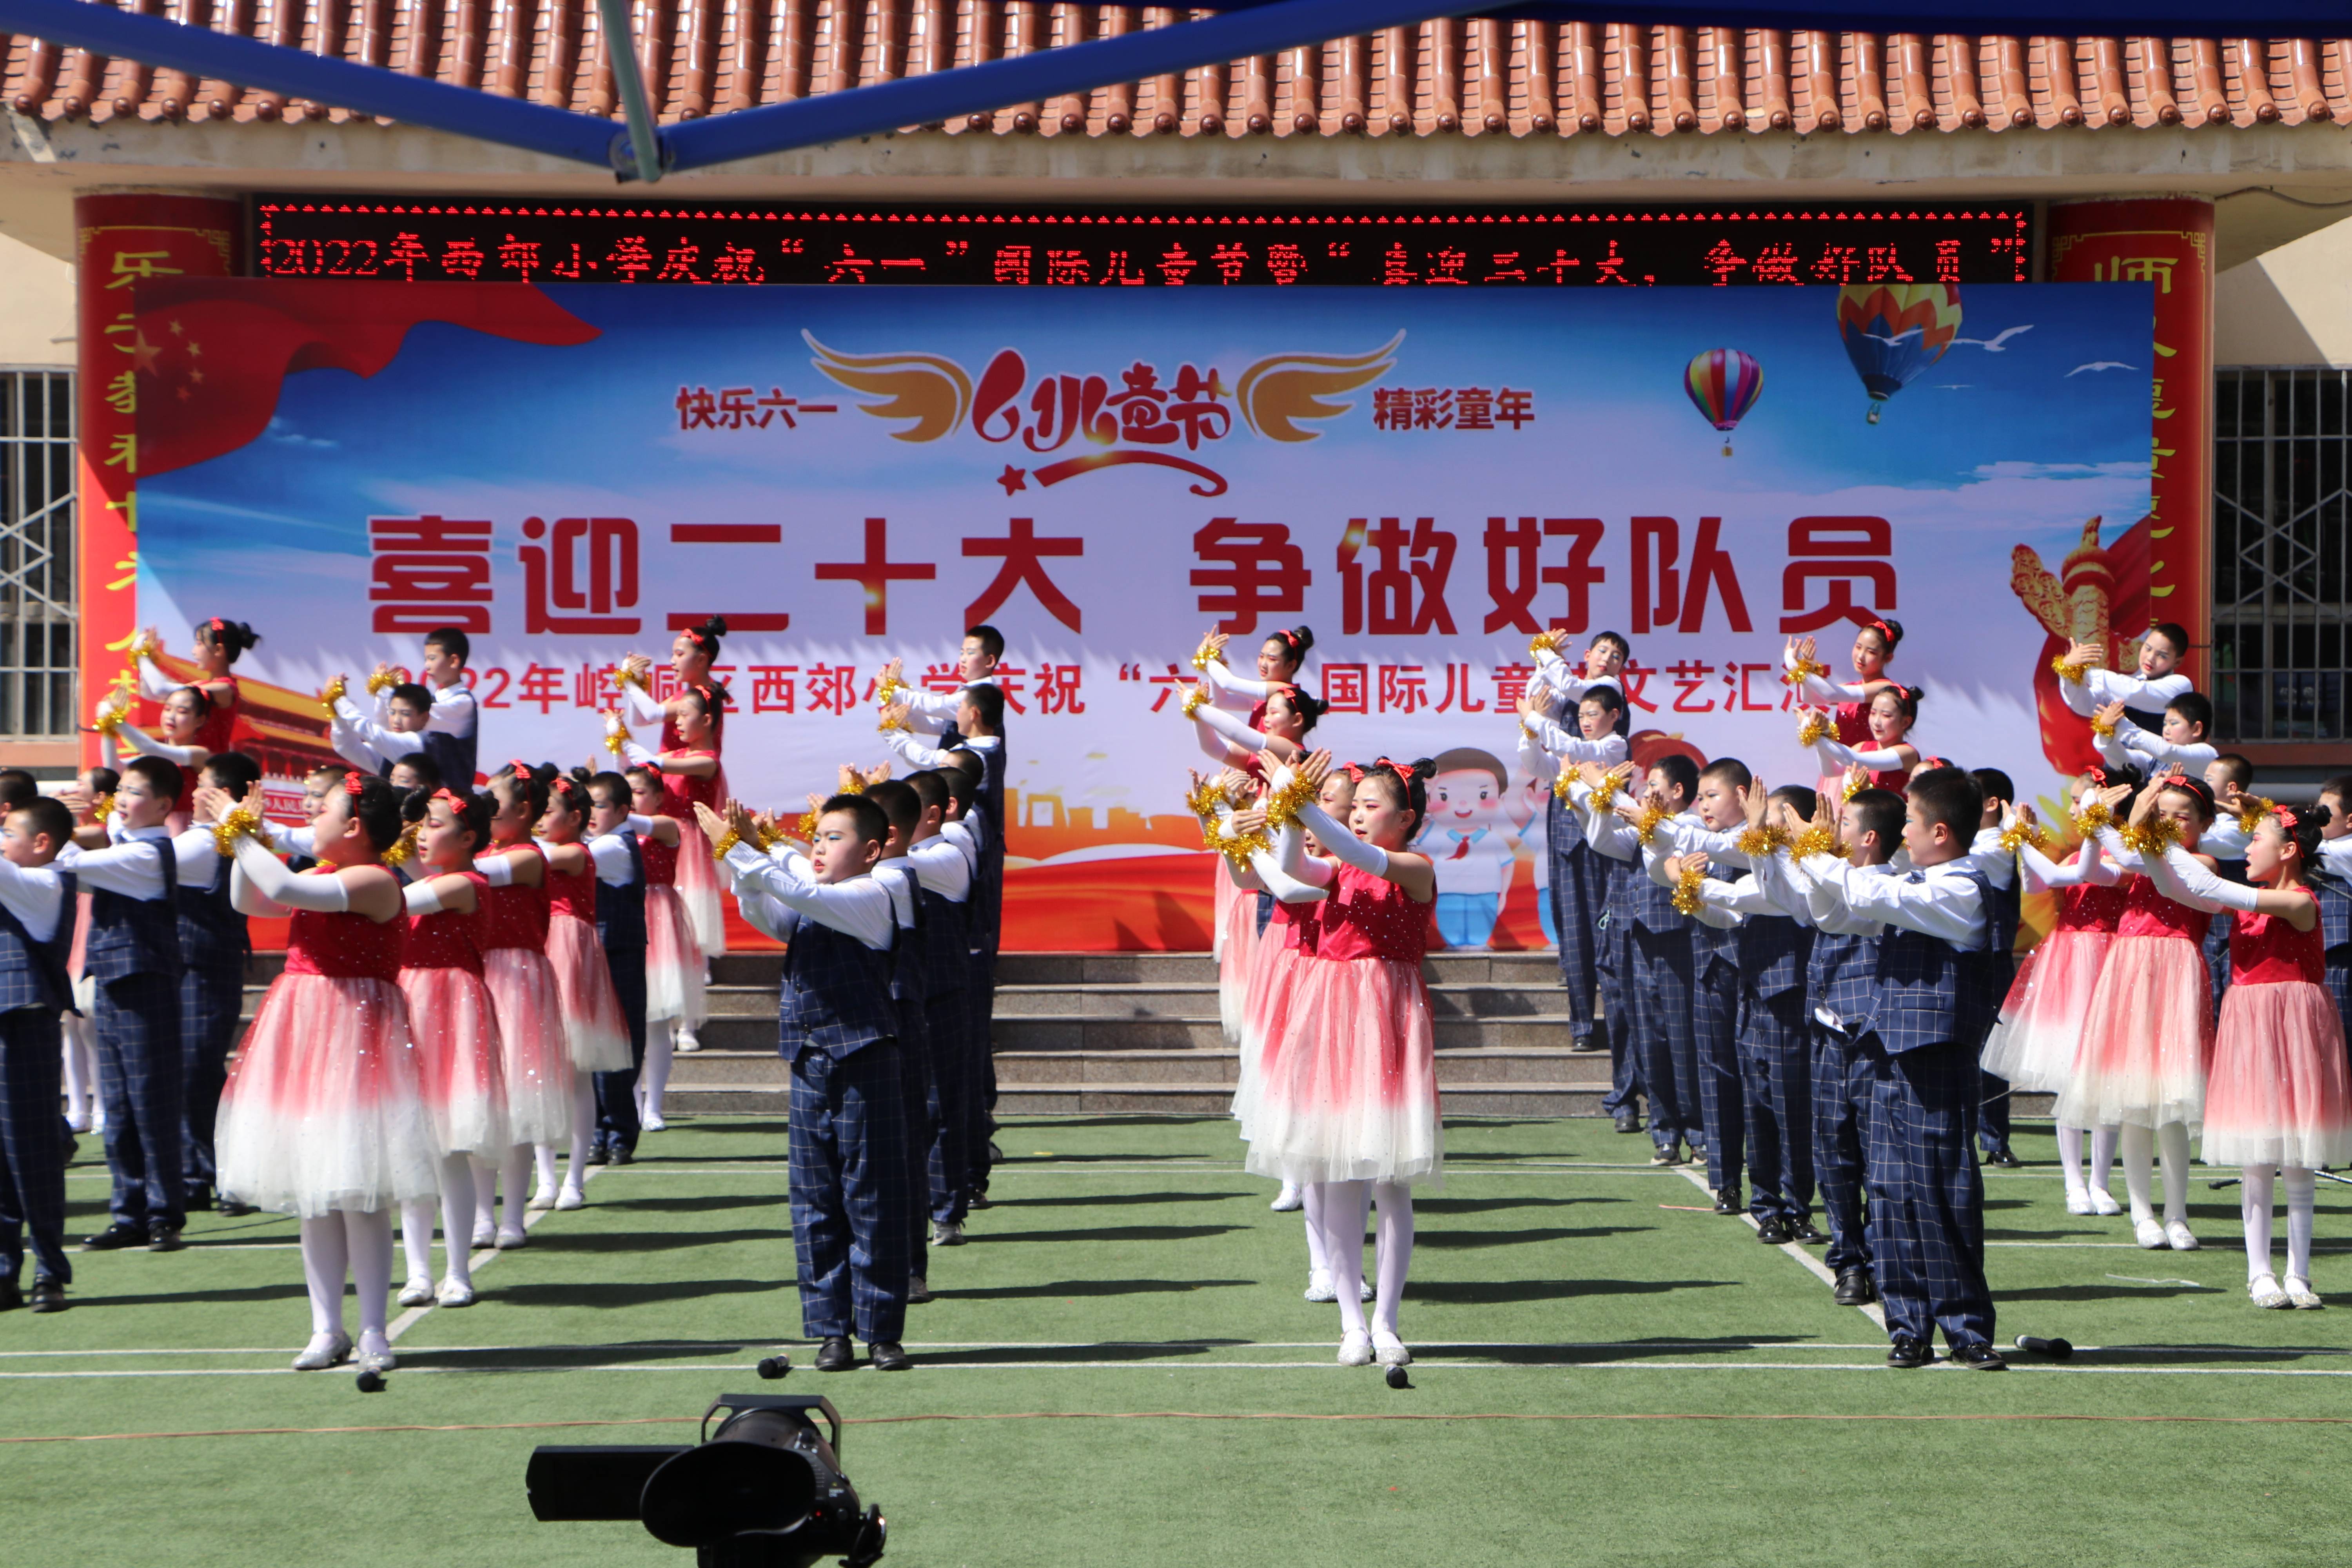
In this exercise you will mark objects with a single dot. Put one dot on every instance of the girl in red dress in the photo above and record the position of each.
(534, 1055)
(1886, 751)
(1348, 1079)
(219, 644)
(323, 1117)
(1277, 734)
(676, 991)
(693, 727)
(185, 719)
(2276, 1101)
(597, 1033)
(1848, 702)
(455, 1023)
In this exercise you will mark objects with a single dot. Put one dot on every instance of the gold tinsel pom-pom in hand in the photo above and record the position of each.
(1194, 700)
(1687, 898)
(402, 847)
(2151, 838)
(1801, 669)
(1757, 842)
(333, 694)
(807, 827)
(2072, 674)
(237, 825)
(1544, 642)
(2093, 818)
(382, 682)
(723, 843)
(1645, 827)
(2023, 833)
(1816, 726)
(1817, 839)
(2251, 810)
(1283, 806)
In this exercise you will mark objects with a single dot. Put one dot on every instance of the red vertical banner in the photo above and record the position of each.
(2168, 242)
(122, 240)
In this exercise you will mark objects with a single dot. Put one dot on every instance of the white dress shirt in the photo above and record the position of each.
(777, 894)
(36, 895)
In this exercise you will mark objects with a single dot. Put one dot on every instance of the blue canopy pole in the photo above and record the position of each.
(1079, 68)
(644, 140)
(369, 90)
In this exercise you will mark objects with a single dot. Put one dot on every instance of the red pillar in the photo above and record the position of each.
(121, 237)
(2168, 242)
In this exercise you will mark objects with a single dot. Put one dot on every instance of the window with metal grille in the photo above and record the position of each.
(36, 554)
(2282, 574)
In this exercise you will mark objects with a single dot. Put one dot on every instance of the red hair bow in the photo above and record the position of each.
(518, 767)
(354, 782)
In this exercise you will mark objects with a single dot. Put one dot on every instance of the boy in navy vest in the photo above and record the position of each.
(2331, 878)
(212, 946)
(1914, 1017)
(1998, 865)
(839, 1029)
(453, 728)
(620, 862)
(1589, 729)
(910, 982)
(132, 952)
(373, 742)
(36, 902)
(945, 859)
(1721, 805)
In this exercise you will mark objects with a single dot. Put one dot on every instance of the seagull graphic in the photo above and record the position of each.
(1954, 385)
(1993, 346)
(2100, 364)
(1894, 342)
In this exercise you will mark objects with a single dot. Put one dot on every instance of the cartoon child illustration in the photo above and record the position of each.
(1524, 806)
(1469, 838)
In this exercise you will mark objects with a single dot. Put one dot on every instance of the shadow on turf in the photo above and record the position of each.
(617, 1294)
(649, 1240)
(1071, 1288)
(1112, 1232)
(1109, 1199)
(1486, 1292)
(1464, 1239)
(1490, 1205)
(2107, 1292)
(1150, 1352)
(555, 1358)
(692, 1205)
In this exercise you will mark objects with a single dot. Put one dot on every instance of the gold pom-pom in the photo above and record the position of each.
(616, 734)
(856, 784)
(2093, 818)
(1756, 843)
(890, 720)
(382, 682)
(1645, 827)
(1604, 795)
(101, 808)
(2102, 729)
(108, 721)
(1194, 700)
(887, 694)
(1205, 801)
(2151, 838)
(769, 836)
(1283, 806)
(1817, 839)
(1815, 727)
(1797, 672)
(237, 825)
(807, 827)
(1201, 660)
(2072, 674)
(723, 843)
(1239, 846)
(623, 678)
(2252, 809)
(402, 847)
(1856, 786)
(1547, 641)
(1687, 899)
(2023, 833)
(333, 694)
(1564, 785)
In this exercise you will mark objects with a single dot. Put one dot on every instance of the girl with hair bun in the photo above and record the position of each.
(1347, 1087)
(1849, 702)
(534, 1055)
(2276, 1100)
(219, 644)
(1279, 658)
(593, 1025)
(323, 1118)
(1885, 749)
(693, 727)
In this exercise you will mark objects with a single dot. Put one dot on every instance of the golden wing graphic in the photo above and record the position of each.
(933, 392)
(2041, 593)
(1275, 392)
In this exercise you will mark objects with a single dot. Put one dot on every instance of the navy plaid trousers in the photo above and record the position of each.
(850, 1204)
(1722, 1105)
(32, 1144)
(950, 1091)
(139, 1079)
(1577, 892)
(1841, 1122)
(1926, 1195)
(211, 996)
(1777, 1075)
(1656, 986)
(979, 1070)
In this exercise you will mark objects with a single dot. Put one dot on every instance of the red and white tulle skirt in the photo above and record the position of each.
(593, 1024)
(1237, 959)
(534, 1057)
(1347, 1086)
(697, 886)
(322, 1109)
(2278, 1092)
(2147, 1039)
(1270, 972)
(676, 986)
(2033, 1046)
(460, 1071)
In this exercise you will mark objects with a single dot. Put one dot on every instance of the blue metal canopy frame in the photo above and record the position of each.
(1240, 28)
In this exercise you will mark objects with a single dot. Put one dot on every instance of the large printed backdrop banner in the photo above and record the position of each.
(572, 473)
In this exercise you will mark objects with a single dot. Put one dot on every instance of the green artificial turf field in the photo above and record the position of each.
(1606, 1373)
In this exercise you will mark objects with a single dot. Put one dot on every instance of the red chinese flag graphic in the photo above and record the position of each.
(212, 354)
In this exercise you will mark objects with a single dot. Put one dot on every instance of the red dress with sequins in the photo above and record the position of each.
(2041, 1028)
(323, 1110)
(2278, 1092)
(1347, 1087)
(593, 1022)
(698, 876)
(534, 1057)
(676, 986)
(455, 1024)
(2148, 1035)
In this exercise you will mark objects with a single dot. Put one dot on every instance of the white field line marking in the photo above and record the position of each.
(1796, 1250)
(1324, 1365)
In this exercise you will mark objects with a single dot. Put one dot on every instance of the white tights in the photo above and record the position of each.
(514, 1173)
(2169, 1143)
(456, 1206)
(1342, 1208)
(654, 1076)
(2300, 1182)
(2070, 1156)
(584, 1129)
(81, 1070)
(347, 1242)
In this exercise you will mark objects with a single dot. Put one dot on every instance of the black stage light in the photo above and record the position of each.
(765, 1489)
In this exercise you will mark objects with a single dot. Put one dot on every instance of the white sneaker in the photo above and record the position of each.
(510, 1237)
(1320, 1287)
(2299, 1291)
(78, 1128)
(323, 1352)
(568, 1196)
(2078, 1201)
(652, 1122)
(2100, 1203)
(947, 1232)
(544, 1198)
(1356, 1349)
(2179, 1237)
(2264, 1290)
(455, 1293)
(485, 1234)
(375, 1353)
(685, 1041)
(416, 1292)
(1389, 1350)
(1287, 1199)
(2151, 1234)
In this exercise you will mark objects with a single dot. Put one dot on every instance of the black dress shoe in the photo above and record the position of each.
(889, 1356)
(162, 1238)
(199, 1199)
(11, 1298)
(235, 1210)
(978, 1201)
(1907, 1354)
(597, 1155)
(1979, 1357)
(2006, 1162)
(1802, 1230)
(1855, 1288)
(1727, 1201)
(1628, 1122)
(47, 1296)
(114, 1238)
(836, 1355)
(1772, 1231)
(619, 1155)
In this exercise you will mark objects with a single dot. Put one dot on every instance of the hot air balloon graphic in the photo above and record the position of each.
(1894, 331)
(1724, 384)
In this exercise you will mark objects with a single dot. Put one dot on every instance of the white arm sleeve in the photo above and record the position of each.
(1830, 749)
(153, 684)
(420, 897)
(1293, 861)
(1222, 680)
(496, 868)
(909, 749)
(2178, 877)
(1289, 889)
(147, 745)
(638, 753)
(639, 705)
(268, 876)
(1342, 844)
(1237, 731)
